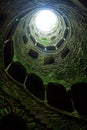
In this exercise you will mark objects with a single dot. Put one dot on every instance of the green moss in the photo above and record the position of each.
(14, 58)
(1, 84)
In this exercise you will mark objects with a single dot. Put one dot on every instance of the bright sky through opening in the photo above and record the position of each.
(46, 20)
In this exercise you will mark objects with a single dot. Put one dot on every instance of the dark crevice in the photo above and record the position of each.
(65, 52)
(33, 54)
(79, 96)
(8, 53)
(12, 122)
(25, 39)
(35, 85)
(58, 97)
(49, 60)
(17, 71)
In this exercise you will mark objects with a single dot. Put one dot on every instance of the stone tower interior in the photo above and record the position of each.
(43, 65)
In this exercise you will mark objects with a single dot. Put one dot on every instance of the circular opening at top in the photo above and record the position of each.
(46, 20)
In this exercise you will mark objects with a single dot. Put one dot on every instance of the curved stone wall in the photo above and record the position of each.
(48, 72)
